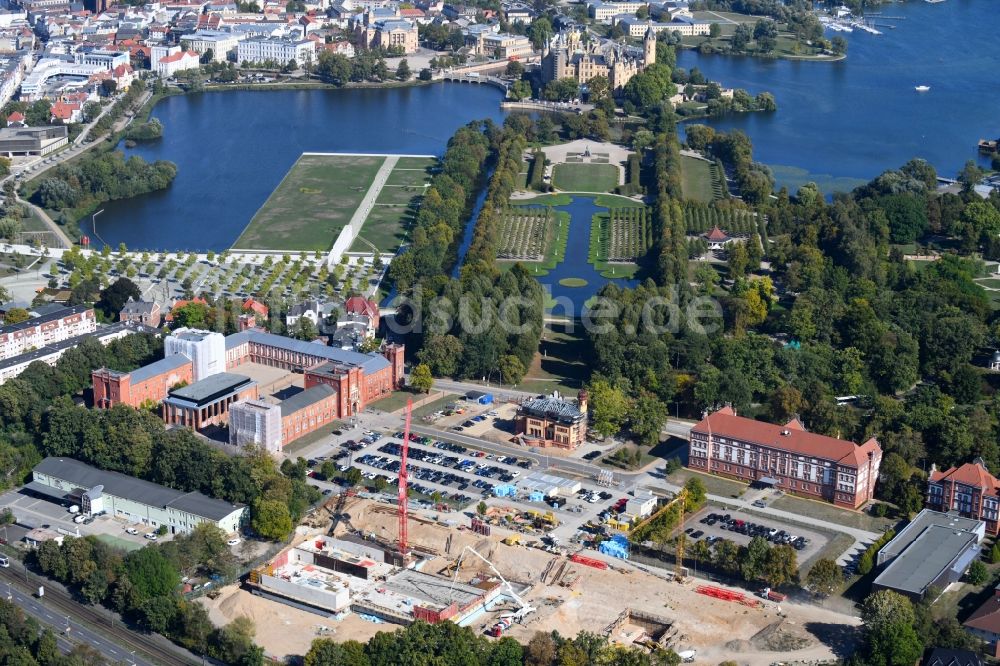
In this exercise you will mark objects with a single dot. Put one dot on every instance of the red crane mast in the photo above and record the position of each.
(402, 499)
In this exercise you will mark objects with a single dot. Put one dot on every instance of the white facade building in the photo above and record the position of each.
(206, 349)
(131, 499)
(47, 329)
(255, 423)
(221, 44)
(275, 50)
(168, 60)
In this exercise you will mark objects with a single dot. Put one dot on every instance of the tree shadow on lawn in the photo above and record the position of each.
(840, 638)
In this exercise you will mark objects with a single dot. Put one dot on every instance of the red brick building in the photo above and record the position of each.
(359, 379)
(146, 313)
(969, 490)
(787, 457)
(307, 412)
(148, 384)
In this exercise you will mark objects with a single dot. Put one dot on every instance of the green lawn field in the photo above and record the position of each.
(698, 180)
(385, 228)
(585, 177)
(313, 202)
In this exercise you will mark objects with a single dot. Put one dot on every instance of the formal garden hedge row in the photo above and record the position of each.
(699, 218)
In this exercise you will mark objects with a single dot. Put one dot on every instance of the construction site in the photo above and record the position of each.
(359, 566)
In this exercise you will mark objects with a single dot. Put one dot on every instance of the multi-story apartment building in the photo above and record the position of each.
(276, 50)
(787, 457)
(50, 354)
(47, 329)
(969, 490)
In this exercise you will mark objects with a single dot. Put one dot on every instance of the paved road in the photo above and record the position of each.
(88, 624)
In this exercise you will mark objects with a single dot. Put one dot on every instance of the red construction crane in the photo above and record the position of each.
(403, 545)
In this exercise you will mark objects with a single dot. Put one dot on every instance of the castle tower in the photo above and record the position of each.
(649, 46)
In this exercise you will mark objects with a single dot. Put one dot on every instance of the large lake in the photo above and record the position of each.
(837, 122)
(232, 149)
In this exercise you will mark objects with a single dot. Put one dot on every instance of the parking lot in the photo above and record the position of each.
(32, 511)
(462, 474)
(740, 527)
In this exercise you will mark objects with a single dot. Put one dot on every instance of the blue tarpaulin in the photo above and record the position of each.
(616, 546)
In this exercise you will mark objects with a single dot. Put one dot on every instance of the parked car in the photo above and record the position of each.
(759, 504)
(131, 530)
(150, 535)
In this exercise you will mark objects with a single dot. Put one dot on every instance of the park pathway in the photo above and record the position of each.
(365, 207)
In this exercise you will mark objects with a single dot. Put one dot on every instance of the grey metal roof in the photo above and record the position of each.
(922, 563)
(138, 307)
(370, 363)
(137, 490)
(164, 365)
(923, 520)
(212, 386)
(305, 398)
(552, 408)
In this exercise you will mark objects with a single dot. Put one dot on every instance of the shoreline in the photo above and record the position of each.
(795, 58)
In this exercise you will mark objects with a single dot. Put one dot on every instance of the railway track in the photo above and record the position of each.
(145, 646)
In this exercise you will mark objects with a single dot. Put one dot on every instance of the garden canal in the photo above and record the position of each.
(575, 268)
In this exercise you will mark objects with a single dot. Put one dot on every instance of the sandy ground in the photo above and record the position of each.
(578, 598)
(283, 630)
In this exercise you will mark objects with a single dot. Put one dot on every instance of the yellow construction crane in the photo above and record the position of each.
(681, 500)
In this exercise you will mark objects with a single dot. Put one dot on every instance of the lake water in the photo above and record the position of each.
(233, 148)
(839, 122)
(581, 211)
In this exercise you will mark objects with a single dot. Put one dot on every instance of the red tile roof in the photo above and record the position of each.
(970, 474)
(198, 299)
(64, 110)
(987, 616)
(180, 55)
(256, 306)
(16, 117)
(362, 306)
(716, 234)
(791, 437)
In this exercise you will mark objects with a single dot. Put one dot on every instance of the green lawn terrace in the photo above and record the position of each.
(324, 192)
(580, 177)
(702, 180)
